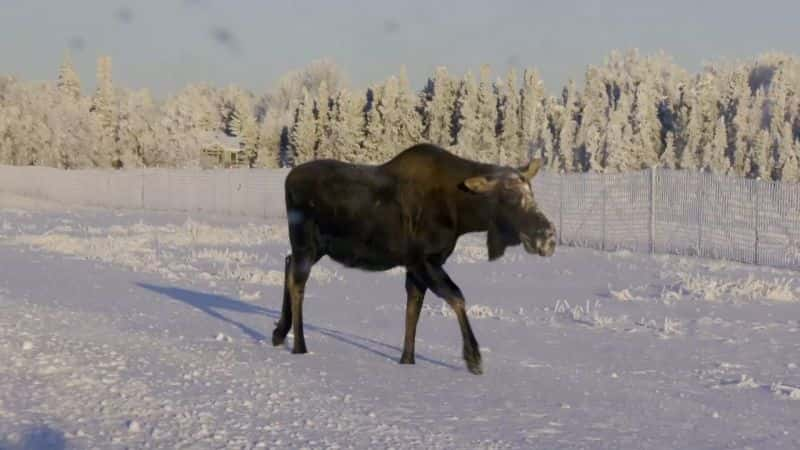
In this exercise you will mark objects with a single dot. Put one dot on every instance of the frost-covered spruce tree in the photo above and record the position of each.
(322, 112)
(511, 150)
(485, 146)
(409, 119)
(594, 120)
(646, 124)
(757, 163)
(347, 128)
(439, 108)
(776, 102)
(249, 138)
(619, 145)
(389, 140)
(269, 137)
(784, 149)
(303, 134)
(568, 128)
(103, 102)
(195, 107)
(68, 82)
(714, 157)
(743, 129)
(790, 172)
(689, 158)
(533, 118)
(668, 159)
(234, 106)
(466, 118)
(132, 126)
(546, 146)
(373, 127)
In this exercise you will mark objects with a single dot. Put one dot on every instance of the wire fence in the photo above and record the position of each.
(678, 212)
(657, 211)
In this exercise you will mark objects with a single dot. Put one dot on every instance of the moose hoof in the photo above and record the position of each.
(407, 359)
(300, 350)
(476, 368)
(278, 338)
(474, 364)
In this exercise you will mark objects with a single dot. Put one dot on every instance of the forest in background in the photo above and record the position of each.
(632, 112)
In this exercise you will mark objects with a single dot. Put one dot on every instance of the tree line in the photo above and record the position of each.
(634, 111)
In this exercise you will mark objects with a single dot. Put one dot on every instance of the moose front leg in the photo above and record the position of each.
(415, 290)
(440, 283)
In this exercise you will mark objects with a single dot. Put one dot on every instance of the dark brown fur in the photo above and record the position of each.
(407, 212)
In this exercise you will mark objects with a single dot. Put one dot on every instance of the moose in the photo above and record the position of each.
(408, 212)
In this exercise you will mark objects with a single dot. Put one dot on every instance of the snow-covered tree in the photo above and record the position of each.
(291, 86)
(533, 119)
(322, 112)
(466, 118)
(790, 171)
(646, 124)
(373, 127)
(511, 151)
(485, 144)
(784, 149)
(269, 141)
(714, 155)
(409, 120)
(757, 162)
(569, 160)
(668, 158)
(347, 128)
(303, 134)
(439, 108)
(103, 102)
(68, 82)
(389, 140)
(594, 120)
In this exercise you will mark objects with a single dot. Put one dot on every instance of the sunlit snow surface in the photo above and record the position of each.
(130, 329)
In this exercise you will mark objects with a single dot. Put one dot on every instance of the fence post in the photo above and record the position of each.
(560, 209)
(756, 220)
(701, 199)
(169, 189)
(605, 195)
(230, 192)
(652, 209)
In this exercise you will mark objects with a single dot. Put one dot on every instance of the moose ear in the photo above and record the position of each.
(480, 184)
(531, 169)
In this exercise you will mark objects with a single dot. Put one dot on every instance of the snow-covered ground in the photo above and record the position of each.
(133, 329)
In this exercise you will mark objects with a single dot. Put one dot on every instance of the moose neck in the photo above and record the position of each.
(472, 215)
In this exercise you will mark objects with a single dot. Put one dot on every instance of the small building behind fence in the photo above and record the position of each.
(223, 151)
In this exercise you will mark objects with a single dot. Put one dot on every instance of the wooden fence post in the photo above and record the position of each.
(605, 200)
(756, 220)
(652, 210)
(701, 199)
(560, 209)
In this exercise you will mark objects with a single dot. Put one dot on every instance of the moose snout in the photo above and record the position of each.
(546, 245)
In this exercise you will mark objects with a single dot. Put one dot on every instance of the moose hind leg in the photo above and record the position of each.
(300, 268)
(415, 291)
(285, 322)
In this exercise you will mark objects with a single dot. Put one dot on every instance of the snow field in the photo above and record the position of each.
(152, 330)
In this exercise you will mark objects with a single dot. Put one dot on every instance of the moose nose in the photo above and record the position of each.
(547, 245)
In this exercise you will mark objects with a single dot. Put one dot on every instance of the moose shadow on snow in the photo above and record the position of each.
(36, 437)
(216, 305)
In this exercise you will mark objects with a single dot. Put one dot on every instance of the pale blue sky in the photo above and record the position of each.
(163, 45)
